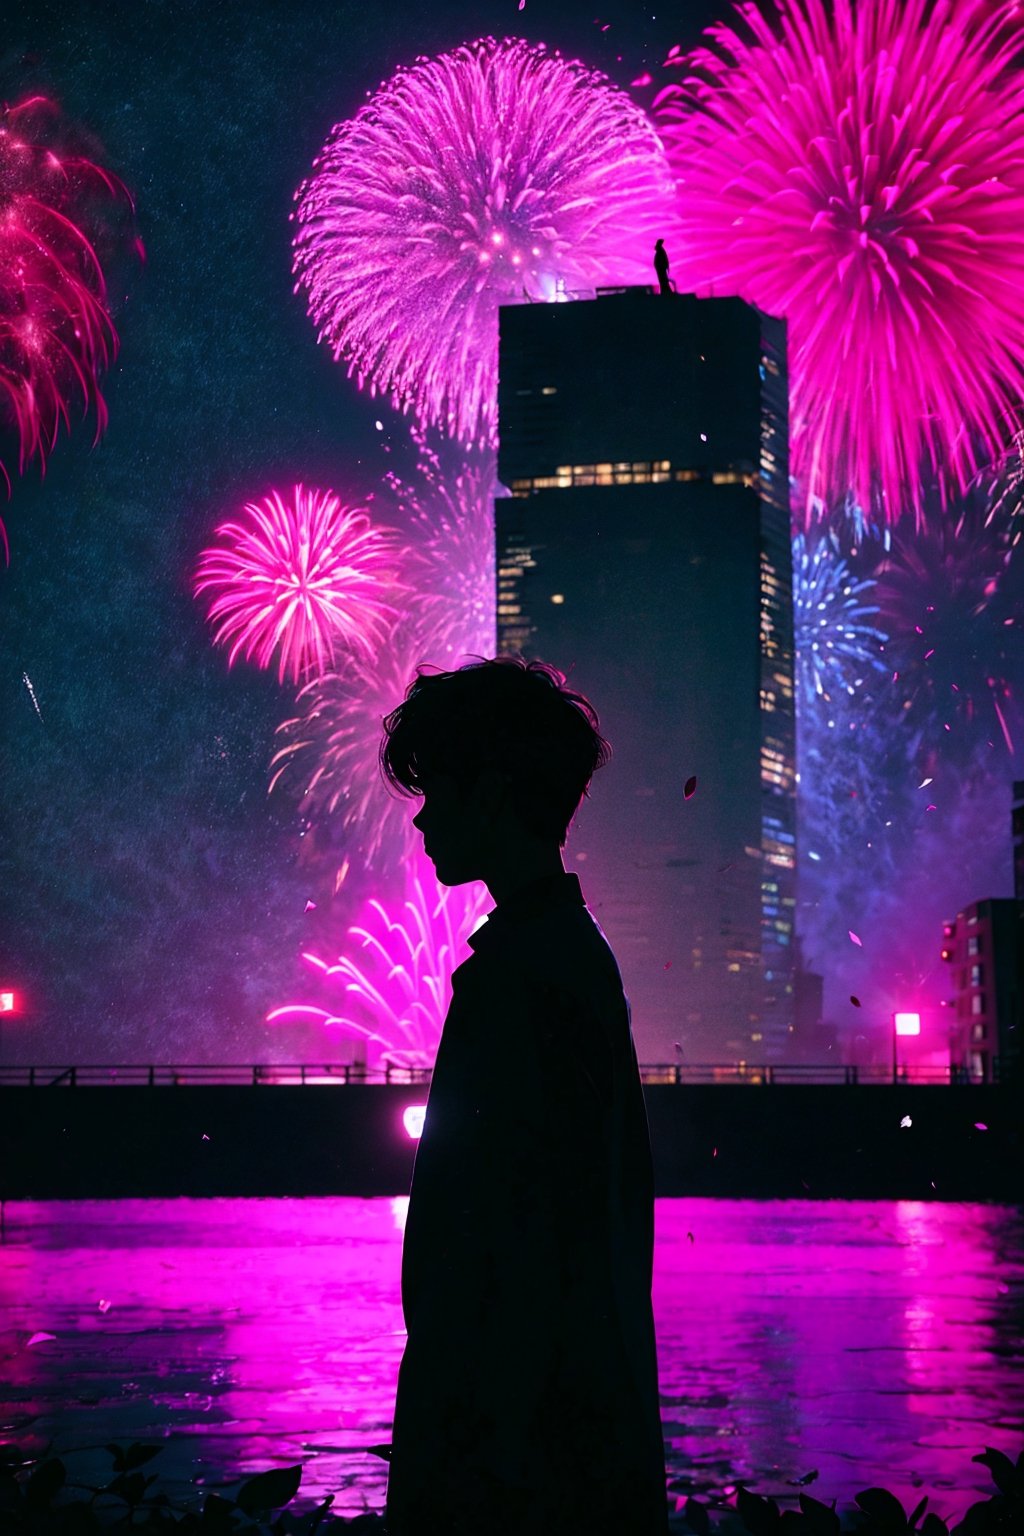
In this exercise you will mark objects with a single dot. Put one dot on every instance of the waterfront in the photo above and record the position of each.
(870, 1342)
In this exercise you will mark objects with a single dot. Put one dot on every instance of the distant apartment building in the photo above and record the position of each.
(984, 948)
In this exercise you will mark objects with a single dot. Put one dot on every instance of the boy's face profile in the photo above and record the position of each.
(462, 830)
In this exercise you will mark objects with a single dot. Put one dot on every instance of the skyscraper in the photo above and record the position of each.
(645, 551)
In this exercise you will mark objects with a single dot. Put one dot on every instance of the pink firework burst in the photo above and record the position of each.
(332, 747)
(56, 333)
(860, 170)
(495, 172)
(399, 994)
(303, 577)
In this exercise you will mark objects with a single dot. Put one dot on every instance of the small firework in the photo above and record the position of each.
(332, 747)
(398, 993)
(836, 644)
(302, 578)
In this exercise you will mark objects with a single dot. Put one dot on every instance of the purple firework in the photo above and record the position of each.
(332, 746)
(302, 577)
(449, 507)
(492, 173)
(860, 171)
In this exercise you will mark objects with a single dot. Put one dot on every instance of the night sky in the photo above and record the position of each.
(153, 894)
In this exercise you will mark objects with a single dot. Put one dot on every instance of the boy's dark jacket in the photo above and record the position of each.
(529, 1379)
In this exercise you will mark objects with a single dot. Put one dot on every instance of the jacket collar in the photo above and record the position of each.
(551, 891)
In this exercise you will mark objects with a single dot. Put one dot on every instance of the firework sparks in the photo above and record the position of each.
(862, 174)
(334, 744)
(32, 694)
(949, 600)
(400, 994)
(302, 578)
(492, 173)
(449, 506)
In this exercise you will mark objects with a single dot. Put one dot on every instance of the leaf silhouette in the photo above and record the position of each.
(884, 1508)
(1004, 1474)
(269, 1490)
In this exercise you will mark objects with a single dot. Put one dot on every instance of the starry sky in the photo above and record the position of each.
(153, 897)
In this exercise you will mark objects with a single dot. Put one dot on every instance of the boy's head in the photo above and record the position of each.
(502, 748)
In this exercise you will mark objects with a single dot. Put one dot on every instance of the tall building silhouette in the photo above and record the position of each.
(645, 550)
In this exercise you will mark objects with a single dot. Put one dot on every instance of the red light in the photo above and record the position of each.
(8, 1002)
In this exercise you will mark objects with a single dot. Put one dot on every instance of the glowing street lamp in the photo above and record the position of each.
(8, 1005)
(903, 1024)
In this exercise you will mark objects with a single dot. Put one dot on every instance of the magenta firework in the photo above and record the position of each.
(304, 577)
(860, 170)
(495, 172)
(396, 999)
(56, 333)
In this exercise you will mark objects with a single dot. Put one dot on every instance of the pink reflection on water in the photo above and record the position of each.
(876, 1342)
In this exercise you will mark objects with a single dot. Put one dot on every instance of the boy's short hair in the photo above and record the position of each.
(505, 713)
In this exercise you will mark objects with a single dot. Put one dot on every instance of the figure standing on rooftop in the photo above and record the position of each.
(661, 265)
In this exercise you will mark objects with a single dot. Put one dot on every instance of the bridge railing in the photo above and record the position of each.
(306, 1074)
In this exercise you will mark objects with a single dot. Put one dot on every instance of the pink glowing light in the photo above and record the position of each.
(399, 989)
(56, 332)
(303, 578)
(414, 1116)
(489, 174)
(908, 1023)
(860, 171)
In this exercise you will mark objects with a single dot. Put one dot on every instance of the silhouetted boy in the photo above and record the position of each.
(661, 265)
(528, 1392)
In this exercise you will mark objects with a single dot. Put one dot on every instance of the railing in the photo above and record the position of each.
(306, 1074)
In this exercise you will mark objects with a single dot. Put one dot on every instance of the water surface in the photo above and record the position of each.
(871, 1342)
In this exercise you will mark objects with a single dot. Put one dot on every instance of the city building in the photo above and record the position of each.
(984, 946)
(645, 551)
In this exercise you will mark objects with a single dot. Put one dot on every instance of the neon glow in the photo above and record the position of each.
(399, 995)
(491, 173)
(303, 578)
(56, 333)
(862, 174)
(908, 1023)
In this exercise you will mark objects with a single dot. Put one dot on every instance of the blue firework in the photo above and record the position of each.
(837, 645)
